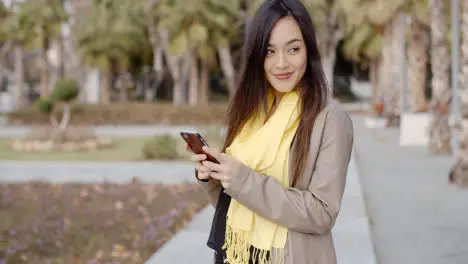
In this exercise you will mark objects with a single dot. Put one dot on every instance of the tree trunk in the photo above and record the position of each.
(104, 91)
(440, 132)
(328, 38)
(123, 84)
(228, 68)
(158, 64)
(459, 172)
(328, 64)
(374, 79)
(157, 39)
(178, 94)
(418, 59)
(44, 79)
(123, 91)
(204, 83)
(193, 80)
(385, 77)
(19, 93)
(61, 68)
(392, 66)
(149, 89)
(158, 67)
(66, 117)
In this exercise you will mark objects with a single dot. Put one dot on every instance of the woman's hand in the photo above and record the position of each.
(227, 168)
(203, 172)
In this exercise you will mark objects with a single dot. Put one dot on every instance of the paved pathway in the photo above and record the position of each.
(119, 172)
(108, 130)
(417, 217)
(351, 233)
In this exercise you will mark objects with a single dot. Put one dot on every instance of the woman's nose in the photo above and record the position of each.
(281, 61)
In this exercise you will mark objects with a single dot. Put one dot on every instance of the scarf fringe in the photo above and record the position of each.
(238, 249)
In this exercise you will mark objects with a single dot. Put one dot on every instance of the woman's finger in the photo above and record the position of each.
(217, 175)
(198, 157)
(213, 166)
(204, 175)
(201, 168)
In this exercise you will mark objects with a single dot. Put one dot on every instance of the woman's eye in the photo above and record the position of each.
(269, 52)
(294, 49)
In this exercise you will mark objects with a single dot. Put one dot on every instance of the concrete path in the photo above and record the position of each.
(108, 130)
(417, 217)
(351, 233)
(118, 172)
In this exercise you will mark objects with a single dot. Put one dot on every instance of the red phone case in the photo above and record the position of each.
(196, 143)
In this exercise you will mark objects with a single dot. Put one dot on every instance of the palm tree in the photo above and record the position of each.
(197, 31)
(394, 81)
(329, 33)
(17, 31)
(174, 42)
(363, 43)
(42, 19)
(418, 58)
(418, 53)
(440, 133)
(371, 34)
(105, 40)
(459, 173)
(148, 17)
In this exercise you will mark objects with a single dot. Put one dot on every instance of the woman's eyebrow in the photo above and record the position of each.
(287, 43)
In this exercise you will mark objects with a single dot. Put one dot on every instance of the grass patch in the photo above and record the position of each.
(124, 149)
(92, 223)
(160, 147)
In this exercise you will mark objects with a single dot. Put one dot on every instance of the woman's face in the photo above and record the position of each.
(286, 59)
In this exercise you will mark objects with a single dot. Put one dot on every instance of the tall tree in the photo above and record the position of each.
(459, 172)
(198, 31)
(418, 53)
(107, 38)
(42, 19)
(371, 34)
(440, 132)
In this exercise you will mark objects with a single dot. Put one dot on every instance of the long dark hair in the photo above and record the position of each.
(251, 93)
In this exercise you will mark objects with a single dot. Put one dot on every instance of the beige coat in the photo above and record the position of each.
(308, 210)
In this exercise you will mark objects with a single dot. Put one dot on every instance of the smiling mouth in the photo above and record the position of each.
(283, 76)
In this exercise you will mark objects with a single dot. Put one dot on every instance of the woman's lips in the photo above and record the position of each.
(283, 76)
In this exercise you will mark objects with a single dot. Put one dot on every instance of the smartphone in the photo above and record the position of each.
(196, 143)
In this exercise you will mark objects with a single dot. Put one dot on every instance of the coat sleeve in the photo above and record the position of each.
(212, 189)
(315, 209)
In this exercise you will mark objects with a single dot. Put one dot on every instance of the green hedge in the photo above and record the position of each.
(128, 113)
(161, 147)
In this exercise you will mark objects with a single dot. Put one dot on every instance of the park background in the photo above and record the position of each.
(93, 94)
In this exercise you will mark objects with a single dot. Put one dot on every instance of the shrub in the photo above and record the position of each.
(65, 90)
(161, 147)
(45, 106)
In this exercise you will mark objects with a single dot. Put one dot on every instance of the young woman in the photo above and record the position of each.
(280, 179)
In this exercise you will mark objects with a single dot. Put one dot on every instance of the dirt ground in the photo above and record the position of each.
(92, 223)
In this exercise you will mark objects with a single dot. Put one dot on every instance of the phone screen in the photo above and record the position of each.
(196, 143)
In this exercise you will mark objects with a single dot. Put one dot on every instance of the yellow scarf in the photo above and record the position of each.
(264, 147)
